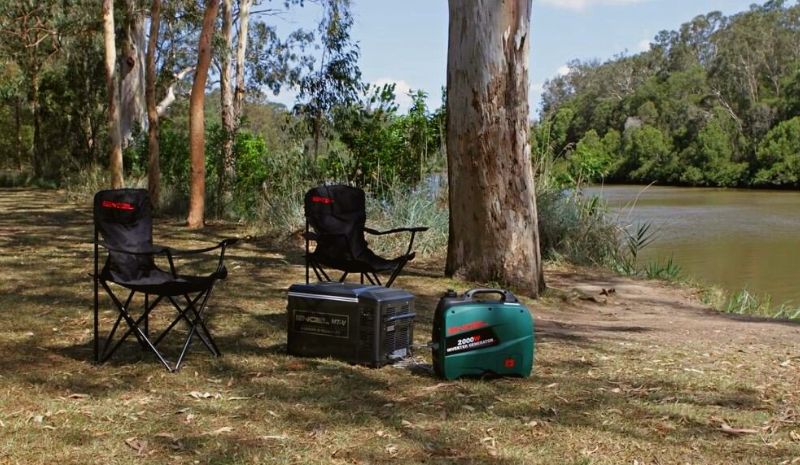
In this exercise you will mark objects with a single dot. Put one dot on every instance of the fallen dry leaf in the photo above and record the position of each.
(794, 435)
(437, 386)
(726, 428)
(137, 445)
(218, 431)
(391, 449)
(204, 395)
(78, 396)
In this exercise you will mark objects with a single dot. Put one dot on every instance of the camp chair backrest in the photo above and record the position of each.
(338, 215)
(122, 218)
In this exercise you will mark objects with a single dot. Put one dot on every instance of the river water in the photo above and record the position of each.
(733, 238)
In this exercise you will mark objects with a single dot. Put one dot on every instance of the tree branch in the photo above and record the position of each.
(169, 99)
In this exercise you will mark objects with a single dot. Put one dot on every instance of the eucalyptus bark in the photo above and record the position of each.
(493, 226)
(226, 167)
(197, 181)
(115, 149)
(153, 148)
(132, 72)
(241, 49)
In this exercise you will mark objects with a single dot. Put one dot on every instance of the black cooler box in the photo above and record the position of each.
(357, 323)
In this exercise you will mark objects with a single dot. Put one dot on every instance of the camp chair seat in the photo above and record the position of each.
(374, 264)
(160, 282)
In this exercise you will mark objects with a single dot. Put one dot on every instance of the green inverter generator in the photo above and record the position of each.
(476, 337)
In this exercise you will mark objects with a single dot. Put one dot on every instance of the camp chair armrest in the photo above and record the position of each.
(375, 232)
(154, 250)
(222, 244)
(413, 232)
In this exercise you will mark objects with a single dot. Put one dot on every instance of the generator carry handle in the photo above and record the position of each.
(506, 296)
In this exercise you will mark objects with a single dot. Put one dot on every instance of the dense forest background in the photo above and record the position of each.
(53, 104)
(713, 103)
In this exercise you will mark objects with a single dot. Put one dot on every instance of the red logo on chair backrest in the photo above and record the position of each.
(117, 205)
(320, 199)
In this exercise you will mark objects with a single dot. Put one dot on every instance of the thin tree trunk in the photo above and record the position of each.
(227, 164)
(493, 224)
(132, 72)
(153, 165)
(241, 49)
(115, 151)
(197, 186)
(18, 130)
(37, 161)
(317, 133)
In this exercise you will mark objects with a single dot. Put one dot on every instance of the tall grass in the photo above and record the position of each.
(745, 302)
(14, 178)
(574, 228)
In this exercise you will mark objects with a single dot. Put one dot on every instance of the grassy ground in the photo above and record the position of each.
(644, 375)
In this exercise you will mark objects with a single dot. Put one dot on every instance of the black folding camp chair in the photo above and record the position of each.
(335, 221)
(124, 226)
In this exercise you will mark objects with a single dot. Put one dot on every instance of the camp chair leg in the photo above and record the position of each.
(205, 334)
(396, 273)
(181, 316)
(325, 275)
(134, 329)
(207, 340)
(147, 315)
(96, 321)
(143, 317)
(343, 277)
(314, 266)
(116, 323)
(108, 350)
(197, 321)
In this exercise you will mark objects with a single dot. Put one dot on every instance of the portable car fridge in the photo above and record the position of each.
(369, 325)
(475, 337)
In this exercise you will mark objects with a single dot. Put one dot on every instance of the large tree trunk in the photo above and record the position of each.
(227, 164)
(115, 150)
(493, 226)
(153, 164)
(241, 49)
(132, 72)
(197, 186)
